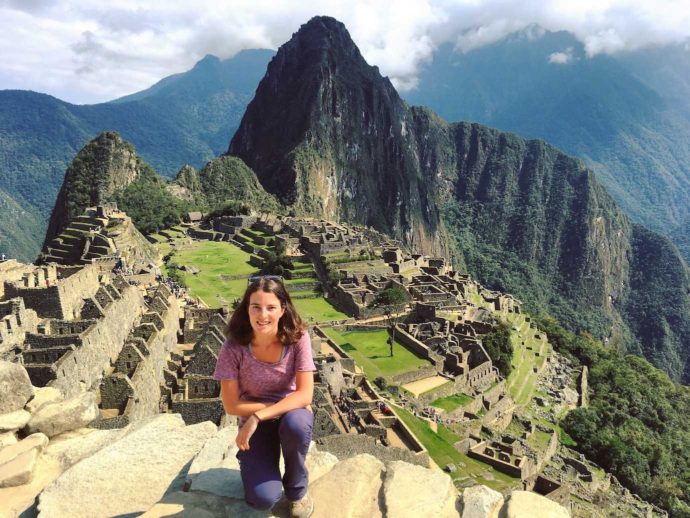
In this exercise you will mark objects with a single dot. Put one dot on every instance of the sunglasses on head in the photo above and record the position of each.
(257, 278)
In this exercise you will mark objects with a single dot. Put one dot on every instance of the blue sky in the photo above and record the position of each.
(91, 51)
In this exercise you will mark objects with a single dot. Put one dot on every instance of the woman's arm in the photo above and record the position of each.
(233, 405)
(300, 398)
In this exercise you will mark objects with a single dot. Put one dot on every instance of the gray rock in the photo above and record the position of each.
(130, 475)
(56, 418)
(201, 505)
(481, 502)
(319, 463)
(15, 387)
(361, 475)
(216, 449)
(223, 480)
(14, 420)
(7, 438)
(526, 503)
(43, 396)
(19, 470)
(70, 447)
(37, 440)
(411, 491)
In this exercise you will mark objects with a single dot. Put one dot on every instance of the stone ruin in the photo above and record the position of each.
(102, 235)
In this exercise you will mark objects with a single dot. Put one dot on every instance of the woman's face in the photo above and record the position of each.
(265, 311)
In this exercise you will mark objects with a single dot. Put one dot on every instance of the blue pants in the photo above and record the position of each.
(259, 464)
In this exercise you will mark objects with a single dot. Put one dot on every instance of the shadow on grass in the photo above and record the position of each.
(347, 346)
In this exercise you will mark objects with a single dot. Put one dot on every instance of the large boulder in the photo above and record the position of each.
(14, 420)
(7, 438)
(526, 503)
(60, 454)
(351, 489)
(130, 475)
(17, 462)
(15, 387)
(481, 502)
(56, 418)
(411, 491)
(43, 396)
(319, 463)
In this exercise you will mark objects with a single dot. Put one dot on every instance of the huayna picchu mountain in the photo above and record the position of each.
(331, 137)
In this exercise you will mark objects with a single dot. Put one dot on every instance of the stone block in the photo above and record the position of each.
(43, 396)
(361, 475)
(14, 420)
(319, 463)
(130, 475)
(411, 491)
(36, 441)
(526, 503)
(481, 502)
(7, 438)
(19, 470)
(15, 387)
(55, 418)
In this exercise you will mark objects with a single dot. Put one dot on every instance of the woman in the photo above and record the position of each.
(267, 378)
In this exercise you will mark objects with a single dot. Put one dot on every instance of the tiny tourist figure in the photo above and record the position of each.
(267, 378)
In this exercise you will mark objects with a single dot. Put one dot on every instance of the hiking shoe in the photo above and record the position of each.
(302, 508)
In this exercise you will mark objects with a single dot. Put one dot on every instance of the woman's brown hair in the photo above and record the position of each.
(290, 326)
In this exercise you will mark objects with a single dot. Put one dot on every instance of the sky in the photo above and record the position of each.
(93, 51)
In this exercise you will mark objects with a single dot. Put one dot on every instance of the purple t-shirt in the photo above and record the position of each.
(262, 381)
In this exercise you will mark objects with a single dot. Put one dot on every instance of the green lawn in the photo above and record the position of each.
(213, 259)
(450, 403)
(318, 309)
(441, 449)
(371, 352)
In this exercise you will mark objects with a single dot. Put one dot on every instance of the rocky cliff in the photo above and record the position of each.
(330, 136)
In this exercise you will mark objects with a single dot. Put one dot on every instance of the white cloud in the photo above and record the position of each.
(83, 51)
(561, 58)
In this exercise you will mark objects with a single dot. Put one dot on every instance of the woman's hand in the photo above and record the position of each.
(246, 432)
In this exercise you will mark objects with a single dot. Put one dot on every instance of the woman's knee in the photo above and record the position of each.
(264, 495)
(296, 424)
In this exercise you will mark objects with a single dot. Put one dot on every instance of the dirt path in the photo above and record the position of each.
(425, 384)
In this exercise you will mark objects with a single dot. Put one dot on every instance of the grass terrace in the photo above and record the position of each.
(371, 352)
(214, 259)
(317, 309)
(453, 402)
(440, 447)
(522, 380)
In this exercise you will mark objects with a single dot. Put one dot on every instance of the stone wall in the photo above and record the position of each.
(149, 376)
(101, 344)
(199, 410)
(418, 374)
(345, 446)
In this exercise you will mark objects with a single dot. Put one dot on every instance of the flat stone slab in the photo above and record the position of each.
(204, 505)
(14, 420)
(56, 418)
(130, 475)
(411, 491)
(19, 470)
(37, 440)
(15, 387)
